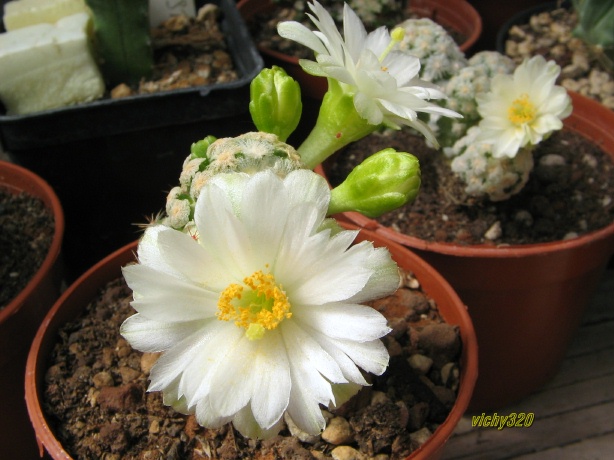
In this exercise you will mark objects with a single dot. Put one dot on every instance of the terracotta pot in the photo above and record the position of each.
(21, 317)
(456, 14)
(526, 301)
(85, 289)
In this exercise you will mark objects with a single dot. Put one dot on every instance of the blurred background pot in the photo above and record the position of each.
(20, 318)
(457, 15)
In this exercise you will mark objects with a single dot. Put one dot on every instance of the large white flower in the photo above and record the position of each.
(384, 81)
(524, 108)
(258, 312)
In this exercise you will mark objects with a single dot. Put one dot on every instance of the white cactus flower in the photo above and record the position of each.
(383, 80)
(257, 310)
(524, 108)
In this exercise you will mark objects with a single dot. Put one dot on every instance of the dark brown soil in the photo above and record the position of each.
(559, 201)
(96, 399)
(26, 232)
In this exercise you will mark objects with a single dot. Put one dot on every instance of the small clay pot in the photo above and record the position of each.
(526, 301)
(85, 289)
(22, 316)
(458, 15)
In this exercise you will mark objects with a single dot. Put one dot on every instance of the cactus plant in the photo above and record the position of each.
(596, 28)
(122, 39)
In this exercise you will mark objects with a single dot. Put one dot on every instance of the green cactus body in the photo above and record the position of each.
(122, 39)
(596, 28)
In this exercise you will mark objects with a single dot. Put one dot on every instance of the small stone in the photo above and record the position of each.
(379, 397)
(147, 361)
(346, 453)
(154, 426)
(524, 217)
(121, 90)
(495, 231)
(103, 379)
(440, 341)
(420, 436)
(121, 398)
(418, 414)
(298, 433)
(114, 437)
(337, 432)
(445, 395)
(552, 159)
(450, 375)
(420, 363)
(128, 374)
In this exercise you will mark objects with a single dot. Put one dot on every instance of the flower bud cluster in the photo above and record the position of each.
(462, 90)
(248, 153)
(440, 57)
(485, 174)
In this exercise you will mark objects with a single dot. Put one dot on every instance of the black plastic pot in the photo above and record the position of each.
(523, 17)
(112, 162)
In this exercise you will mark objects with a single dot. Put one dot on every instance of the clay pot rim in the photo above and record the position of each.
(18, 179)
(470, 40)
(432, 447)
(602, 115)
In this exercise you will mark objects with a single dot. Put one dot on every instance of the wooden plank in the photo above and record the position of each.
(591, 338)
(548, 405)
(597, 448)
(602, 303)
(585, 367)
(568, 398)
(558, 430)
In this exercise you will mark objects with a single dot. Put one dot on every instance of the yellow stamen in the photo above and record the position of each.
(257, 306)
(395, 37)
(522, 110)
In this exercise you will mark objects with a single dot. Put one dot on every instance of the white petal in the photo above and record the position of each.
(272, 381)
(183, 253)
(246, 424)
(297, 32)
(176, 360)
(149, 252)
(311, 352)
(344, 321)
(222, 233)
(233, 382)
(153, 336)
(371, 356)
(384, 280)
(165, 298)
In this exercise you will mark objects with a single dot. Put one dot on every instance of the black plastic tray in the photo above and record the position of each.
(114, 116)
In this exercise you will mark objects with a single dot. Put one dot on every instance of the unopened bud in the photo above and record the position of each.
(275, 103)
(383, 182)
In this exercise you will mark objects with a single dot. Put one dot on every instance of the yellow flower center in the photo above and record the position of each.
(522, 110)
(260, 304)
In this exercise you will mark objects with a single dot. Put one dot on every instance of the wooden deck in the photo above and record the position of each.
(574, 413)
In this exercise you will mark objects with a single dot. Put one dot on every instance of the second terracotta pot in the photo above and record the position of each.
(85, 289)
(526, 301)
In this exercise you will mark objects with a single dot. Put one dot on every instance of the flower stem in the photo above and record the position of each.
(338, 125)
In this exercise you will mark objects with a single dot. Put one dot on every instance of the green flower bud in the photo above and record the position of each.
(199, 148)
(275, 103)
(384, 181)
